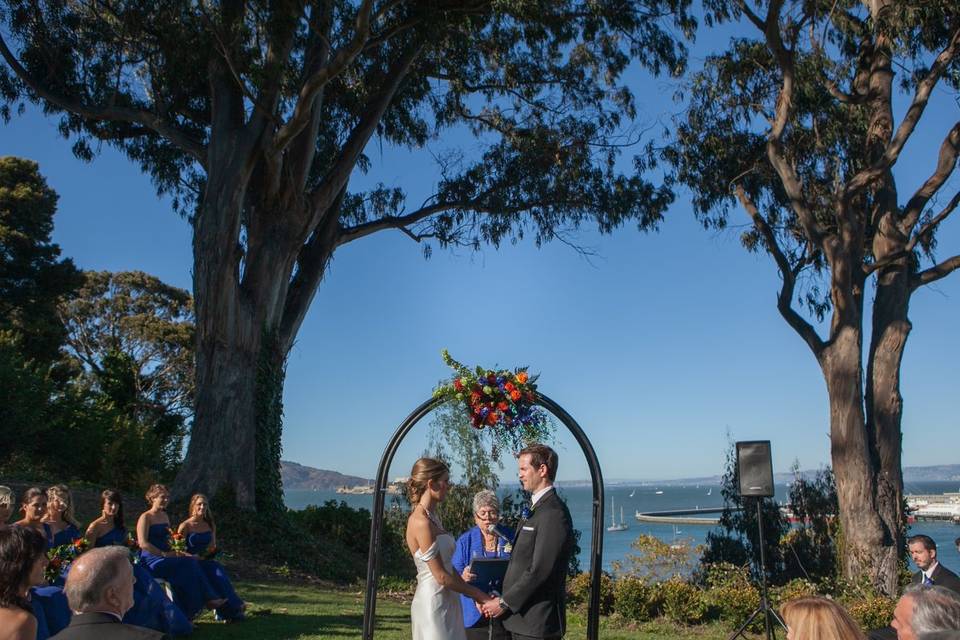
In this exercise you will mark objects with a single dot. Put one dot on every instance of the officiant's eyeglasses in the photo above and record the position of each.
(488, 513)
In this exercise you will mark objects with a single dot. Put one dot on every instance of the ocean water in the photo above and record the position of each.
(649, 497)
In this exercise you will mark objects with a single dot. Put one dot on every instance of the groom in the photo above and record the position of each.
(534, 587)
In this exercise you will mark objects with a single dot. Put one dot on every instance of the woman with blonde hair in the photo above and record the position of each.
(201, 533)
(191, 589)
(818, 618)
(435, 612)
(64, 527)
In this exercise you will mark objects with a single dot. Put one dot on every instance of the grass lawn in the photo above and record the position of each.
(283, 611)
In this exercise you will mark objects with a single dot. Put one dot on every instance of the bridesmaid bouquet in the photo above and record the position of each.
(60, 557)
(177, 541)
(131, 544)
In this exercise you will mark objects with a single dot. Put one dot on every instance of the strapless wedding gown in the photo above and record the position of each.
(435, 611)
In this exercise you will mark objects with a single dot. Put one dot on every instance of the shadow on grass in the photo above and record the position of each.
(284, 626)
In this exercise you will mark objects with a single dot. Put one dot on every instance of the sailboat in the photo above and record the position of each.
(710, 491)
(613, 524)
(633, 492)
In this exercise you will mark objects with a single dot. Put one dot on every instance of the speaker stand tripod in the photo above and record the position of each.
(765, 609)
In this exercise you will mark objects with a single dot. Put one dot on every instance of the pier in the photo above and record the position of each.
(680, 516)
(944, 506)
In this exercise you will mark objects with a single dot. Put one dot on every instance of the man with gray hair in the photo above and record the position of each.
(925, 609)
(99, 589)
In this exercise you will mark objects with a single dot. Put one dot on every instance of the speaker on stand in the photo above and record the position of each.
(755, 474)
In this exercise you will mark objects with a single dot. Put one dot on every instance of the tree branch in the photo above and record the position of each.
(349, 234)
(946, 162)
(336, 178)
(934, 221)
(155, 123)
(789, 274)
(316, 81)
(908, 124)
(936, 272)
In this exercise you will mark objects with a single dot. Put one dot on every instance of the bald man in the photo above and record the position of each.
(99, 589)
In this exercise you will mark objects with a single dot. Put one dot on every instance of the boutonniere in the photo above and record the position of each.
(525, 513)
(508, 548)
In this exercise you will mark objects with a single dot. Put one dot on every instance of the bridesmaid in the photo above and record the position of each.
(151, 606)
(191, 589)
(201, 534)
(33, 503)
(63, 524)
(48, 602)
(22, 563)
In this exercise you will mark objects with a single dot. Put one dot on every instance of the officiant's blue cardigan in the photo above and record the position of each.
(469, 542)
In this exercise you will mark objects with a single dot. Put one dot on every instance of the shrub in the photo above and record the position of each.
(730, 596)
(873, 612)
(683, 602)
(578, 592)
(635, 600)
(796, 588)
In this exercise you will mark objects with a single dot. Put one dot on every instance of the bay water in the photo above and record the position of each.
(646, 497)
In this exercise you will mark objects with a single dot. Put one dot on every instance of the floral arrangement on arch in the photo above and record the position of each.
(59, 558)
(500, 400)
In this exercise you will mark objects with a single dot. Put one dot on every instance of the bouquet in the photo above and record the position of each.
(501, 400)
(60, 557)
(133, 547)
(178, 542)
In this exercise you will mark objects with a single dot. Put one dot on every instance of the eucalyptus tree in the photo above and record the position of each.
(256, 115)
(800, 122)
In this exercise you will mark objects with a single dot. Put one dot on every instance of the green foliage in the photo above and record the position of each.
(655, 559)
(812, 549)
(635, 599)
(578, 591)
(796, 588)
(730, 595)
(683, 602)
(33, 277)
(271, 373)
(873, 612)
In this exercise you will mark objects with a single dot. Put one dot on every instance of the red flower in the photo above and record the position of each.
(509, 386)
(492, 417)
(514, 395)
(458, 385)
(474, 397)
(503, 406)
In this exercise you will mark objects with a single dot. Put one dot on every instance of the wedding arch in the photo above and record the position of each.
(380, 491)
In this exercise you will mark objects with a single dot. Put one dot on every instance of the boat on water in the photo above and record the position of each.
(633, 492)
(623, 526)
(659, 493)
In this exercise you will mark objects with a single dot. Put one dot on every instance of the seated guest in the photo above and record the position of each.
(151, 606)
(923, 552)
(191, 589)
(33, 504)
(23, 560)
(100, 590)
(479, 542)
(201, 535)
(7, 502)
(64, 528)
(926, 609)
(816, 618)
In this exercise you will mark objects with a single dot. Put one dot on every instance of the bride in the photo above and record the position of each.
(435, 611)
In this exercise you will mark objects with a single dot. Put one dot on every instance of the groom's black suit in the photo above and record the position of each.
(534, 587)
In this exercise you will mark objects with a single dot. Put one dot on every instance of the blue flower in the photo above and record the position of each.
(525, 513)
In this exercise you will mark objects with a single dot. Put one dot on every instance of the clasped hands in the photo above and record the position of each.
(491, 607)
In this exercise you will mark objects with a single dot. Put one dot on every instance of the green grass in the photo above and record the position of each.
(284, 611)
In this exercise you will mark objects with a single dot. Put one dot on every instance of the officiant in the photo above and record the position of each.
(481, 542)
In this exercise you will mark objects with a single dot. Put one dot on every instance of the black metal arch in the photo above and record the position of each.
(379, 497)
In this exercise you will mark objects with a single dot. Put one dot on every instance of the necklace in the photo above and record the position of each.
(432, 518)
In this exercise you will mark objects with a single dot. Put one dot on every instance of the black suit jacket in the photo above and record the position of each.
(103, 626)
(942, 577)
(534, 586)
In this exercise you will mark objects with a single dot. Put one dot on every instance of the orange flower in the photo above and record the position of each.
(492, 417)
(503, 406)
(514, 395)
(522, 377)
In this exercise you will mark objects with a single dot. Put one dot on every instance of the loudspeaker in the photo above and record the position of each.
(755, 468)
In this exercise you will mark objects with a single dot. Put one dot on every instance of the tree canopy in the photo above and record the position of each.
(257, 115)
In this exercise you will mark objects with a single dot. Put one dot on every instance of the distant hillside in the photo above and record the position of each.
(933, 473)
(299, 477)
(940, 472)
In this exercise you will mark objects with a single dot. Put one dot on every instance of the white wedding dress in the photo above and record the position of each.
(435, 611)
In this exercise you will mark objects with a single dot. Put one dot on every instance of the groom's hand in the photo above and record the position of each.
(492, 609)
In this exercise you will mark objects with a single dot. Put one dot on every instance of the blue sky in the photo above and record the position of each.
(659, 346)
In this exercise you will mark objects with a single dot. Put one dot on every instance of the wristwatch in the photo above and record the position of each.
(503, 605)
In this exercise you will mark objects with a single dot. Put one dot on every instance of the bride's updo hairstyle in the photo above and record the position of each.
(424, 470)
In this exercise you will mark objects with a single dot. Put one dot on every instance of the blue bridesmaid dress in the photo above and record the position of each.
(49, 603)
(191, 589)
(151, 606)
(65, 536)
(197, 543)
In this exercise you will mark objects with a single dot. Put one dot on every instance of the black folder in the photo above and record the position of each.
(489, 572)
